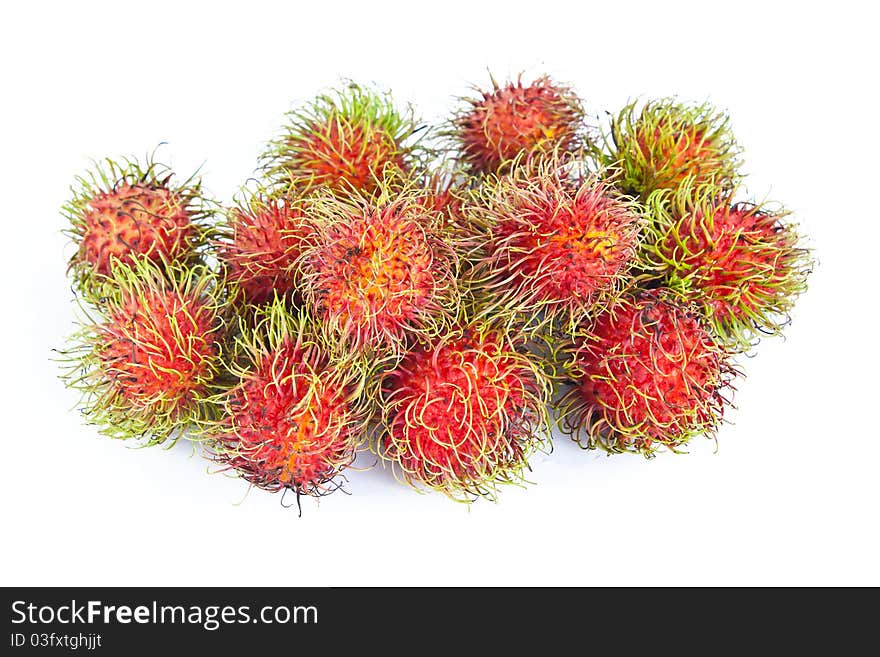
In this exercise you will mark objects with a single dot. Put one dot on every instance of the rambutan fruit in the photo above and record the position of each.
(294, 417)
(379, 272)
(667, 142)
(515, 119)
(742, 263)
(645, 373)
(351, 139)
(558, 241)
(463, 413)
(148, 363)
(261, 246)
(122, 211)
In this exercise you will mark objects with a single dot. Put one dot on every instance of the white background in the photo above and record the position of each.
(792, 495)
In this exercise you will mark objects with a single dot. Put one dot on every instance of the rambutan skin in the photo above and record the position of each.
(463, 414)
(294, 417)
(122, 211)
(516, 119)
(644, 374)
(668, 141)
(379, 271)
(742, 263)
(147, 364)
(352, 139)
(557, 242)
(261, 246)
(133, 220)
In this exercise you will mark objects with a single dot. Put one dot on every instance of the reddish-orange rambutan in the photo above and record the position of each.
(147, 366)
(644, 373)
(516, 119)
(558, 241)
(293, 418)
(261, 247)
(463, 413)
(742, 263)
(379, 271)
(351, 139)
(123, 211)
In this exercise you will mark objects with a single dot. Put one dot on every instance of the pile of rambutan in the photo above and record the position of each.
(446, 298)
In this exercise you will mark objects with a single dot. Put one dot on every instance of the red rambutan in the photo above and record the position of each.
(463, 414)
(123, 211)
(147, 366)
(515, 120)
(558, 241)
(264, 240)
(379, 271)
(667, 142)
(741, 262)
(352, 139)
(646, 373)
(294, 418)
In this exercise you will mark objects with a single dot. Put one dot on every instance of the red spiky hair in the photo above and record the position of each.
(147, 366)
(646, 373)
(741, 262)
(264, 241)
(351, 139)
(123, 211)
(463, 414)
(293, 419)
(558, 241)
(516, 119)
(379, 271)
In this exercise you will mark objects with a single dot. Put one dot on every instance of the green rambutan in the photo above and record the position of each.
(261, 247)
(148, 363)
(742, 263)
(294, 418)
(667, 142)
(514, 120)
(558, 241)
(351, 139)
(644, 373)
(463, 413)
(122, 211)
(380, 272)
